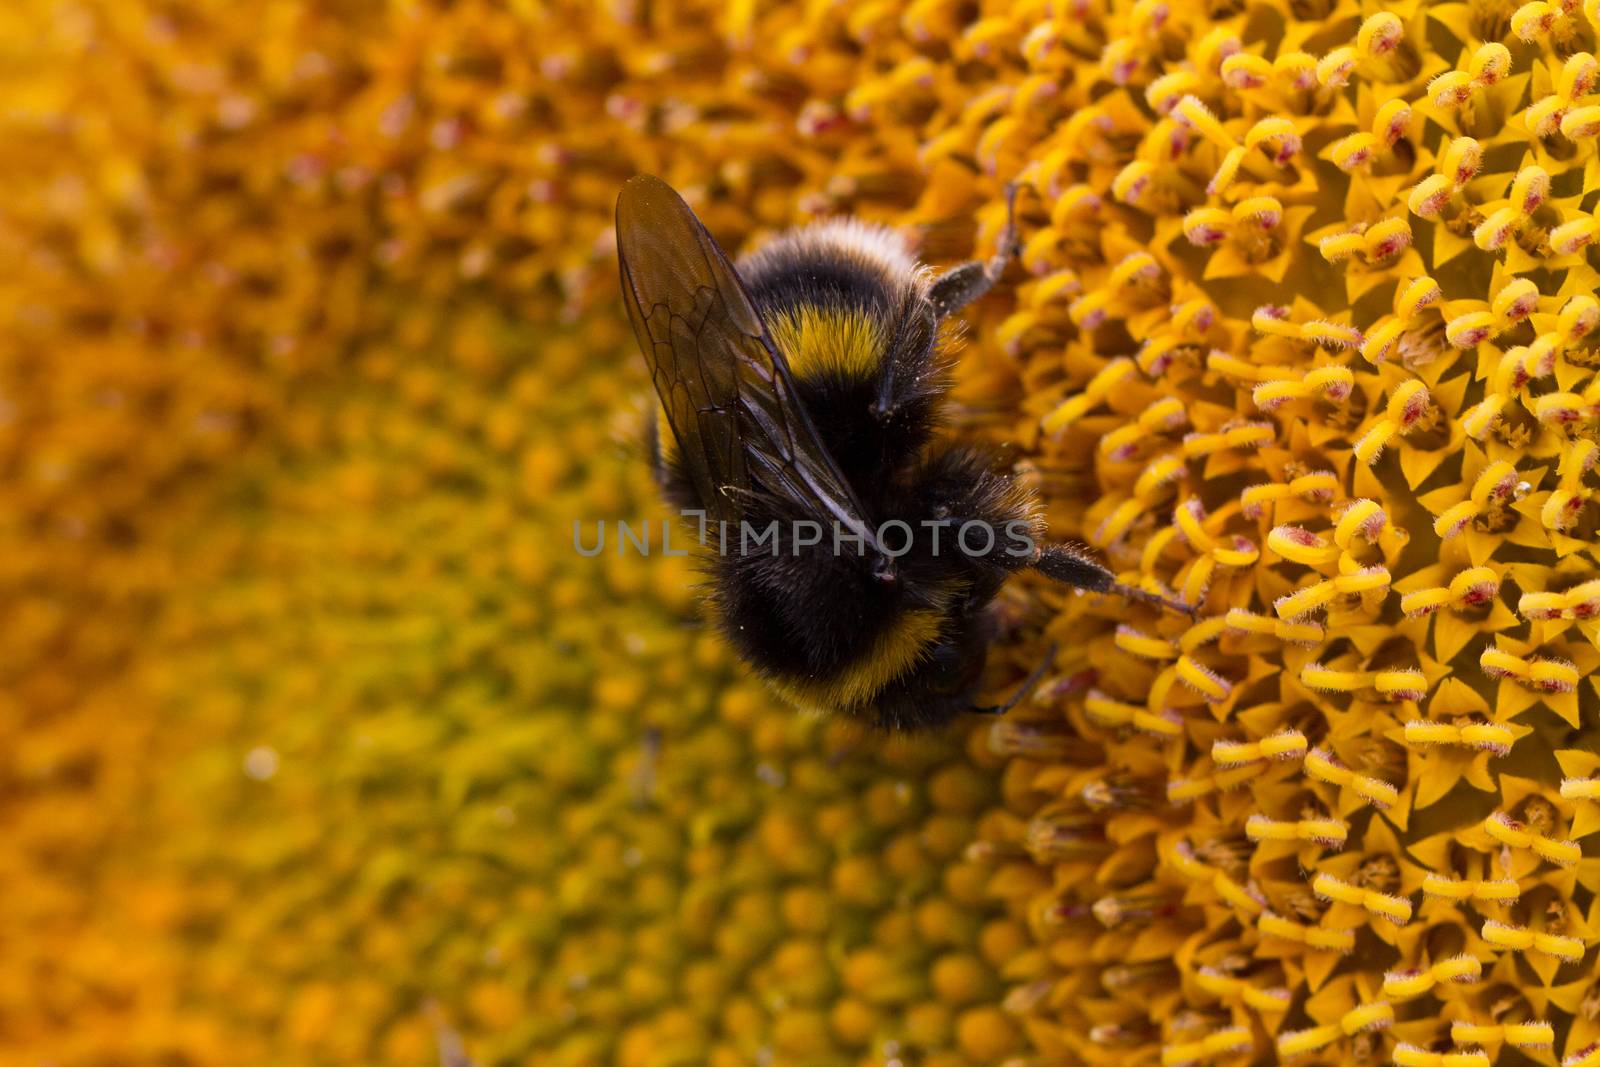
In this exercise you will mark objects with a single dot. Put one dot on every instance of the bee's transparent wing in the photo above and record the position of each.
(725, 388)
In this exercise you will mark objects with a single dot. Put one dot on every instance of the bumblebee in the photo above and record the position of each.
(800, 396)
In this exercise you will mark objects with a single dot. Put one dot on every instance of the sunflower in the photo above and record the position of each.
(326, 749)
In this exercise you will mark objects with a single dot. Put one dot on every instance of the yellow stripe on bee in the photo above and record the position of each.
(895, 651)
(821, 341)
(666, 441)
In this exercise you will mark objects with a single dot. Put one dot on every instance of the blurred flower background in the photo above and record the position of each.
(322, 746)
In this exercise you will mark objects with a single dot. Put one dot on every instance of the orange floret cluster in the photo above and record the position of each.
(1313, 302)
(323, 748)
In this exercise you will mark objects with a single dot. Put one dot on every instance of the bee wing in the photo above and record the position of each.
(727, 391)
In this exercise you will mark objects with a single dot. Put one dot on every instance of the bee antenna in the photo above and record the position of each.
(1135, 593)
(1024, 689)
(1066, 566)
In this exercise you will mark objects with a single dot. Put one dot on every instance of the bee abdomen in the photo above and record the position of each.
(840, 263)
(831, 295)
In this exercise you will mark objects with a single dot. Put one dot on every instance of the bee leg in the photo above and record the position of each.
(960, 286)
(1066, 566)
(1022, 690)
(905, 369)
